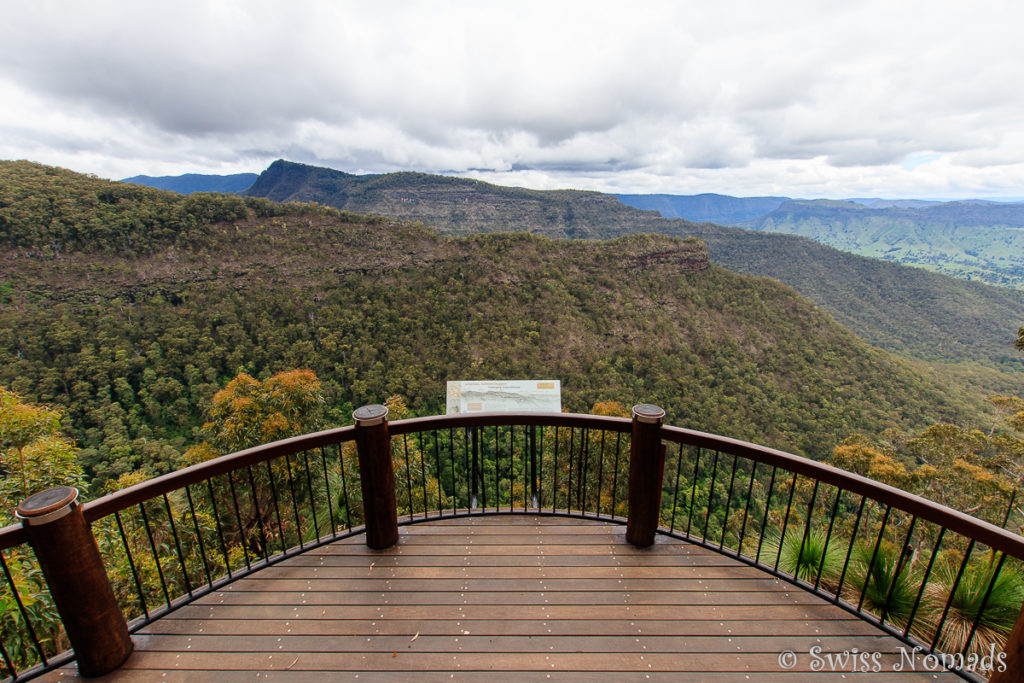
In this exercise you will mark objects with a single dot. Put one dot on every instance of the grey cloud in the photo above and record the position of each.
(669, 95)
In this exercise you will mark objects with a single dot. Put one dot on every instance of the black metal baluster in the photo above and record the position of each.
(254, 494)
(277, 507)
(828, 538)
(600, 471)
(327, 489)
(984, 603)
(728, 502)
(423, 473)
(764, 519)
(675, 493)
(849, 549)
(408, 473)
(344, 488)
(581, 477)
(874, 556)
(904, 551)
(572, 447)
(615, 474)
(295, 504)
(527, 487)
(1009, 508)
(220, 529)
(312, 498)
(536, 491)
(693, 492)
(807, 529)
(131, 565)
(177, 546)
(238, 517)
(156, 555)
(199, 537)
(711, 495)
(924, 581)
(746, 509)
(785, 521)
(554, 486)
(511, 466)
(497, 470)
(470, 472)
(952, 594)
(473, 433)
(437, 468)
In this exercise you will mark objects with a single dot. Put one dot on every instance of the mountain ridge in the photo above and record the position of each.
(189, 183)
(902, 309)
(134, 332)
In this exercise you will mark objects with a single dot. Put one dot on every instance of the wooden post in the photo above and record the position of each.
(74, 572)
(377, 476)
(646, 467)
(1009, 668)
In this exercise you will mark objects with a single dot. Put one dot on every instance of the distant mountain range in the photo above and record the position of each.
(906, 310)
(131, 307)
(705, 208)
(973, 240)
(196, 182)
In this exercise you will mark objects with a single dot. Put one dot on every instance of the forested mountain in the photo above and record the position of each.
(196, 182)
(970, 240)
(704, 208)
(131, 307)
(906, 310)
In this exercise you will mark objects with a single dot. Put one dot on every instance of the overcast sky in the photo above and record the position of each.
(856, 98)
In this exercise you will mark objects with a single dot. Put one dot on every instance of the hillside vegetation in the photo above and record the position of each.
(131, 307)
(970, 240)
(901, 309)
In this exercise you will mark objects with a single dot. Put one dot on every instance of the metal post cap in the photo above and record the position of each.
(368, 416)
(47, 506)
(645, 412)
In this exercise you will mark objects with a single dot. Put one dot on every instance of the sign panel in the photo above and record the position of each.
(484, 396)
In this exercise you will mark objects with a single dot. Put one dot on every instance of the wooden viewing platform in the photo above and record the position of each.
(512, 597)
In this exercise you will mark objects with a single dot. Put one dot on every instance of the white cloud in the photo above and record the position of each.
(804, 98)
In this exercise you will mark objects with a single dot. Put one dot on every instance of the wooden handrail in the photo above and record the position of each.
(648, 441)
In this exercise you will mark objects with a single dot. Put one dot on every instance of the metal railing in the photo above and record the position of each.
(943, 582)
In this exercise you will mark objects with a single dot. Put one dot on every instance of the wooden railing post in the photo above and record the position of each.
(74, 572)
(377, 476)
(1009, 667)
(646, 467)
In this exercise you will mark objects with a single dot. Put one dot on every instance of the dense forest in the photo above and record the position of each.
(939, 319)
(130, 308)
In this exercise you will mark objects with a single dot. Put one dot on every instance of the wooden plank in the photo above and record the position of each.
(527, 612)
(605, 597)
(506, 644)
(695, 663)
(175, 624)
(540, 569)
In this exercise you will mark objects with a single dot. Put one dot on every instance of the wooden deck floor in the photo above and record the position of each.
(512, 597)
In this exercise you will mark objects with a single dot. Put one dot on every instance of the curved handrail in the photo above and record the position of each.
(578, 454)
(957, 521)
(93, 510)
(954, 520)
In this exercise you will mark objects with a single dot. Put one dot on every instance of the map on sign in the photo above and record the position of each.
(482, 396)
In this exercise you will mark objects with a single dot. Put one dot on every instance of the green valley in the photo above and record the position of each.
(130, 307)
